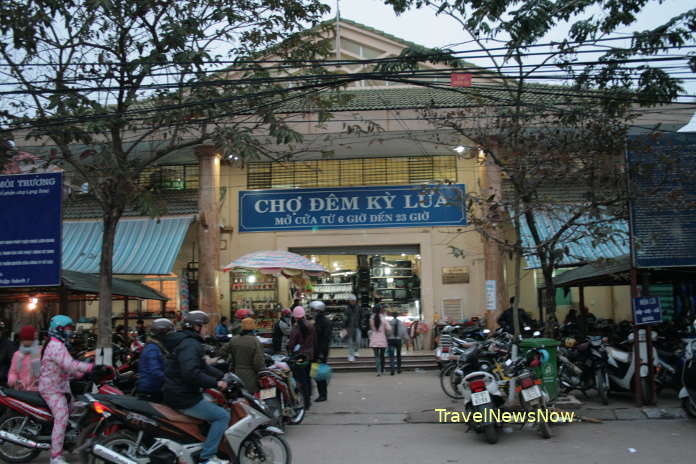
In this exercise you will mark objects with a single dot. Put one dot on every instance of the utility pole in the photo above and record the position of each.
(338, 30)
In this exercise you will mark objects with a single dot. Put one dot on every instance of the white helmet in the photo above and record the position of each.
(317, 305)
(352, 298)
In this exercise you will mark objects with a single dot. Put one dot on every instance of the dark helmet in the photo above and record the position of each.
(161, 327)
(196, 318)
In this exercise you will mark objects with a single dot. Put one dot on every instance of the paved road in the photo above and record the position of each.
(363, 422)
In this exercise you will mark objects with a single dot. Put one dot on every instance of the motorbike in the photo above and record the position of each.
(687, 394)
(531, 397)
(584, 367)
(143, 432)
(481, 394)
(277, 388)
(25, 428)
(621, 365)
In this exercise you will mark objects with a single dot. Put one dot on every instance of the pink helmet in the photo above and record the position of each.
(298, 312)
(286, 312)
(243, 313)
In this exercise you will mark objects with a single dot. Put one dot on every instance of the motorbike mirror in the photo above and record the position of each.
(527, 328)
(297, 348)
(536, 333)
(486, 331)
(508, 363)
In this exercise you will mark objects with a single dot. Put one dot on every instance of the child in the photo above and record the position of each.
(57, 368)
(26, 362)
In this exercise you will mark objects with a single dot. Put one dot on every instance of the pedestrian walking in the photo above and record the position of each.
(398, 334)
(26, 362)
(379, 331)
(7, 350)
(352, 333)
(301, 346)
(152, 362)
(322, 326)
(245, 355)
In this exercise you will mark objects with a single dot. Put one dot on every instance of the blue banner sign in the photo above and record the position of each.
(647, 310)
(352, 208)
(30, 229)
(662, 172)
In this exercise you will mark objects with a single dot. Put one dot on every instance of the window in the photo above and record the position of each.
(170, 177)
(352, 172)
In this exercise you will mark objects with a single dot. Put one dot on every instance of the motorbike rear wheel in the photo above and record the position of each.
(268, 448)
(121, 442)
(491, 433)
(689, 407)
(9, 452)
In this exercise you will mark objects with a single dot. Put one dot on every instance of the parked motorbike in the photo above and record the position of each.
(278, 389)
(532, 398)
(154, 433)
(481, 394)
(583, 366)
(621, 365)
(25, 428)
(687, 394)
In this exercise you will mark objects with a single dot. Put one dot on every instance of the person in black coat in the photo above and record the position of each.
(187, 375)
(322, 326)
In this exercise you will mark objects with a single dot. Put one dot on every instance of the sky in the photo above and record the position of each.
(424, 27)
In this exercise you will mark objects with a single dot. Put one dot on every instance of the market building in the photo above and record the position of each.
(380, 213)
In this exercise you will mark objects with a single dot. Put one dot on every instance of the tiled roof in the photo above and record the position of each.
(399, 98)
(179, 202)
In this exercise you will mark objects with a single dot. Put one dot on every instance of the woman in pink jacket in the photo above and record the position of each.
(379, 329)
(26, 362)
(57, 368)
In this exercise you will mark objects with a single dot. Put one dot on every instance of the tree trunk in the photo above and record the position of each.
(549, 299)
(104, 328)
(518, 273)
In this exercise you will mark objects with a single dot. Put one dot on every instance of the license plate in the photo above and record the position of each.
(267, 393)
(531, 393)
(444, 356)
(480, 398)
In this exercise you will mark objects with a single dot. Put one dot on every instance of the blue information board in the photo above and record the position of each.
(662, 172)
(352, 208)
(647, 310)
(30, 229)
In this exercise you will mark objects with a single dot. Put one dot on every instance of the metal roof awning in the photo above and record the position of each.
(617, 272)
(582, 248)
(78, 285)
(606, 272)
(142, 246)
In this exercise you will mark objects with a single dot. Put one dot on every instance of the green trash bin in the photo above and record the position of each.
(548, 372)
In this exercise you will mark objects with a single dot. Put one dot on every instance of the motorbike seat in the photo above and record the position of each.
(29, 397)
(582, 346)
(668, 356)
(619, 355)
(130, 403)
(174, 415)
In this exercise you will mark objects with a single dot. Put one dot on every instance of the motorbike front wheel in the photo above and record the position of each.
(12, 423)
(277, 411)
(602, 387)
(689, 407)
(265, 447)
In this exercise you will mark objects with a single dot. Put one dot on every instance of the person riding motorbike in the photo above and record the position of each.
(26, 362)
(281, 332)
(152, 362)
(187, 375)
(238, 316)
(57, 368)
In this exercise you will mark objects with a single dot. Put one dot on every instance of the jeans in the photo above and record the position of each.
(219, 419)
(322, 387)
(379, 359)
(353, 343)
(304, 381)
(395, 352)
